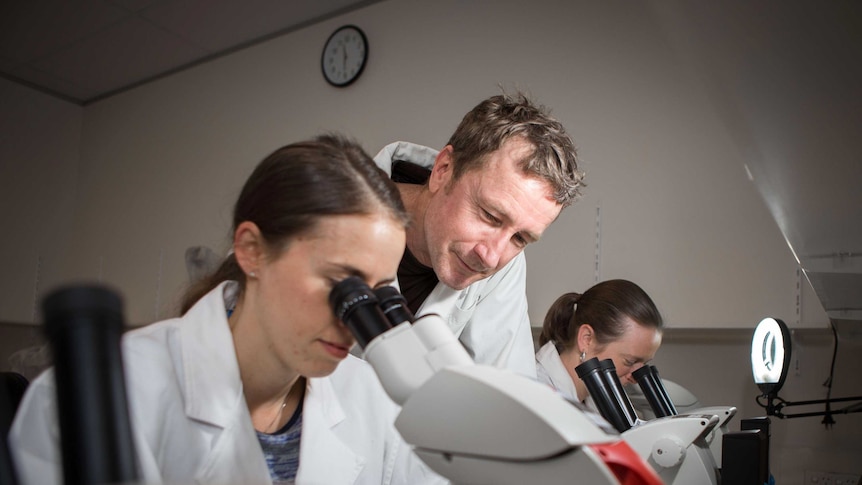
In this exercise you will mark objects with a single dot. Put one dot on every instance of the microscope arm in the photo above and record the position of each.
(407, 355)
(424, 368)
(716, 436)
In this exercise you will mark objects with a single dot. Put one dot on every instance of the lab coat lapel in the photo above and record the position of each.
(235, 457)
(551, 364)
(212, 381)
(324, 458)
(213, 395)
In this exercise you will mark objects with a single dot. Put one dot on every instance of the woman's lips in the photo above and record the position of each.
(336, 350)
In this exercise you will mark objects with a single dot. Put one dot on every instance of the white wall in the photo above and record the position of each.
(39, 153)
(678, 214)
(160, 166)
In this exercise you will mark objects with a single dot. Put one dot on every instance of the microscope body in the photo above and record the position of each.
(461, 419)
(676, 448)
(477, 424)
(662, 405)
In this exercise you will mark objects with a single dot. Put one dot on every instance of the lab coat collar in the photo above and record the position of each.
(322, 452)
(548, 362)
(406, 151)
(207, 349)
(213, 391)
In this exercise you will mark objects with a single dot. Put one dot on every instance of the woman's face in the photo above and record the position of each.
(292, 307)
(636, 347)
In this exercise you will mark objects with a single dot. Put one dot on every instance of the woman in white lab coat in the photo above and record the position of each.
(253, 384)
(614, 319)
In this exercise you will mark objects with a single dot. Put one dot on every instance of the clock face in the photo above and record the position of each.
(344, 55)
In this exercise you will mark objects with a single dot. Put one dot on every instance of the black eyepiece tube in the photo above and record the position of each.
(83, 325)
(668, 401)
(394, 305)
(645, 380)
(609, 370)
(356, 305)
(651, 388)
(590, 371)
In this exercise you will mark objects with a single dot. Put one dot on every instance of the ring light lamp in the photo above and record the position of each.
(770, 355)
(770, 360)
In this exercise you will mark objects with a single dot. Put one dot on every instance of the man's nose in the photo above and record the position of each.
(491, 250)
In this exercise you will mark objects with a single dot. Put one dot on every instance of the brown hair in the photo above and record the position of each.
(295, 186)
(603, 307)
(500, 118)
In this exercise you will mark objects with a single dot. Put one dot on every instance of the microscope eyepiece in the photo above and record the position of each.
(355, 304)
(641, 373)
(605, 393)
(348, 294)
(587, 367)
(394, 305)
(653, 389)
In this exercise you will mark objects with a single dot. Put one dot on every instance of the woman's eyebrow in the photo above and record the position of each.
(354, 271)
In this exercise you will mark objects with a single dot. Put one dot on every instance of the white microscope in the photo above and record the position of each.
(674, 445)
(476, 424)
(480, 424)
(661, 404)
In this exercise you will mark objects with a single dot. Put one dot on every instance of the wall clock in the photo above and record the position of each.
(344, 55)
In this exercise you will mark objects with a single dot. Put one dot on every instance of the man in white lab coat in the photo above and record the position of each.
(501, 180)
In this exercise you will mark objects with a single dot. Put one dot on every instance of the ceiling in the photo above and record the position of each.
(785, 77)
(86, 50)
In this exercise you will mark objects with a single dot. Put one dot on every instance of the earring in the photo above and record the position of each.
(583, 355)
(251, 274)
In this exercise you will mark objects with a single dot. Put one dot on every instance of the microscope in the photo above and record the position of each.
(674, 445)
(662, 405)
(460, 417)
(473, 423)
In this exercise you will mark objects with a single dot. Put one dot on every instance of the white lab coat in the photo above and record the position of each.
(191, 423)
(490, 316)
(551, 370)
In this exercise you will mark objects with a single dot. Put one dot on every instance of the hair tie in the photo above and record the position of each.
(576, 298)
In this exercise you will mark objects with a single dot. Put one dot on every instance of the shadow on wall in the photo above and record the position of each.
(23, 349)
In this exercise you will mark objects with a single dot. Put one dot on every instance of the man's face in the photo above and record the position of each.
(475, 225)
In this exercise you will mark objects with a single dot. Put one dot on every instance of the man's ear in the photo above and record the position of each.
(248, 247)
(441, 173)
